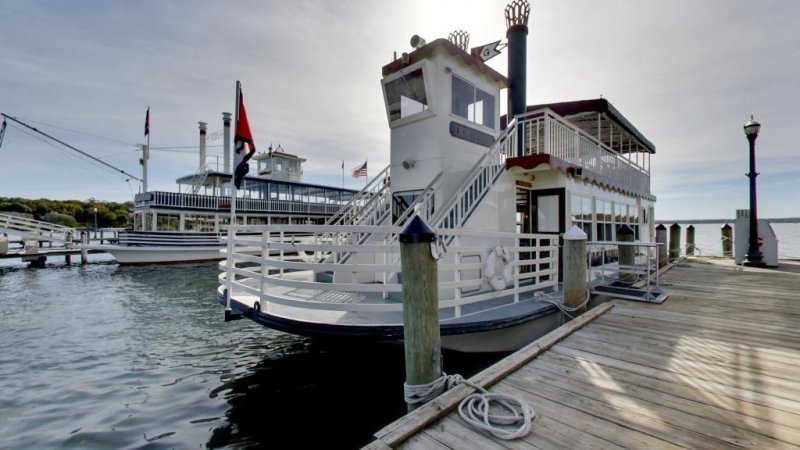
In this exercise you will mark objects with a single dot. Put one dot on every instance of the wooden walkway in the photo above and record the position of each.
(716, 366)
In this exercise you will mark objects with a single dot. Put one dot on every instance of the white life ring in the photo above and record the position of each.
(497, 269)
(309, 256)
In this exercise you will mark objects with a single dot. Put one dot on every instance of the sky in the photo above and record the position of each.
(687, 74)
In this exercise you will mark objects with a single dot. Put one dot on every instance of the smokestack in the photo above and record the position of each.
(517, 13)
(226, 127)
(203, 127)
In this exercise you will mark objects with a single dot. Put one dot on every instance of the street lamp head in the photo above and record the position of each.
(752, 127)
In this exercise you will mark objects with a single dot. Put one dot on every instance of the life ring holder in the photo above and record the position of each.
(312, 256)
(497, 268)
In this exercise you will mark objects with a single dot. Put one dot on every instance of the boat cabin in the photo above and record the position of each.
(571, 163)
(276, 194)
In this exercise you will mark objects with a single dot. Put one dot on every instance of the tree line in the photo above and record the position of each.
(71, 213)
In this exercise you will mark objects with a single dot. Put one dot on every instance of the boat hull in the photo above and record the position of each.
(159, 254)
(503, 333)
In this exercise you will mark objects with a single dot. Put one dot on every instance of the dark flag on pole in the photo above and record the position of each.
(147, 122)
(242, 137)
(2, 132)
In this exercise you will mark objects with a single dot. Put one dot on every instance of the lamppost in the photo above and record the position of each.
(754, 256)
(95, 219)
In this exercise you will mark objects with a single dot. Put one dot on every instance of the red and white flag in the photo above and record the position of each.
(242, 137)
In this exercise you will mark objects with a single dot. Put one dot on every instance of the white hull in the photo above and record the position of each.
(159, 254)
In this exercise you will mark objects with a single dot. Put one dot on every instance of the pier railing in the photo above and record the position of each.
(370, 281)
(546, 133)
(34, 229)
(609, 272)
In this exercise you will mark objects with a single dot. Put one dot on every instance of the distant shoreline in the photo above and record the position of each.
(723, 221)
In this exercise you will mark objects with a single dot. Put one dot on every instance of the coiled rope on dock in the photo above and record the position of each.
(476, 408)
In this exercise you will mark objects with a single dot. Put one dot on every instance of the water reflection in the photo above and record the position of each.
(317, 395)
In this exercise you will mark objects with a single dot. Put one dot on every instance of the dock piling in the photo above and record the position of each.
(690, 240)
(727, 240)
(661, 240)
(674, 241)
(575, 271)
(421, 337)
(627, 257)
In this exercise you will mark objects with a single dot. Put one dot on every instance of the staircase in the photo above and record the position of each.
(457, 210)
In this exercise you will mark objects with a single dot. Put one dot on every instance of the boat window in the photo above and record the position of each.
(471, 103)
(198, 222)
(605, 223)
(581, 212)
(167, 222)
(406, 96)
(402, 200)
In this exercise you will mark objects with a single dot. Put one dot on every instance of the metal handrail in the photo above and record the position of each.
(259, 265)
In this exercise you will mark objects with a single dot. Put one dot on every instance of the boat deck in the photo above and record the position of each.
(715, 366)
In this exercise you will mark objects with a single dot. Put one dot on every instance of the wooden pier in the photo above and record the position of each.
(715, 366)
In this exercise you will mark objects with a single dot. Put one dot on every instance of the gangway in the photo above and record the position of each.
(30, 229)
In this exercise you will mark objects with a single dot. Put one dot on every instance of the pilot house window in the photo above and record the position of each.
(405, 96)
(472, 103)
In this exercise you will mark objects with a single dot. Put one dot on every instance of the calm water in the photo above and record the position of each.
(103, 356)
(707, 238)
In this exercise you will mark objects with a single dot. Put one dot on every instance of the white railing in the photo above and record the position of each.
(217, 203)
(605, 268)
(262, 271)
(35, 229)
(546, 133)
(369, 205)
(479, 181)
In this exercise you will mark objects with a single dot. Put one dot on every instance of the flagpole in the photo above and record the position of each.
(231, 226)
(146, 154)
(342, 174)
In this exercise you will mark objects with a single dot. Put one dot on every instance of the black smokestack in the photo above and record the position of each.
(517, 13)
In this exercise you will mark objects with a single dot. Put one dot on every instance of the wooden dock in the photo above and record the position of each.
(715, 366)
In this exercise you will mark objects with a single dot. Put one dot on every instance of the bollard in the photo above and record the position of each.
(576, 282)
(421, 337)
(727, 240)
(674, 241)
(627, 255)
(661, 240)
(690, 240)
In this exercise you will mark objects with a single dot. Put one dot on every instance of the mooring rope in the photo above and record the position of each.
(475, 409)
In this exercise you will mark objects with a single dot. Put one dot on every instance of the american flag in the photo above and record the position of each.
(360, 171)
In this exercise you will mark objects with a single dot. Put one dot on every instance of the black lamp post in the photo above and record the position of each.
(754, 256)
(95, 219)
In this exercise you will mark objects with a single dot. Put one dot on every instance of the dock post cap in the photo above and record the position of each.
(624, 230)
(726, 226)
(417, 231)
(575, 234)
(661, 227)
(675, 225)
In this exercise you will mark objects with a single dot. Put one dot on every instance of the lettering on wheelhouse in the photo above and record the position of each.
(466, 133)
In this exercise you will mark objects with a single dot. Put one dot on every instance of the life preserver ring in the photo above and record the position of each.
(310, 256)
(496, 269)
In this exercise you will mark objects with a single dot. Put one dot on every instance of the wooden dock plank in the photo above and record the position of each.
(689, 415)
(701, 401)
(722, 357)
(713, 367)
(743, 378)
(568, 410)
